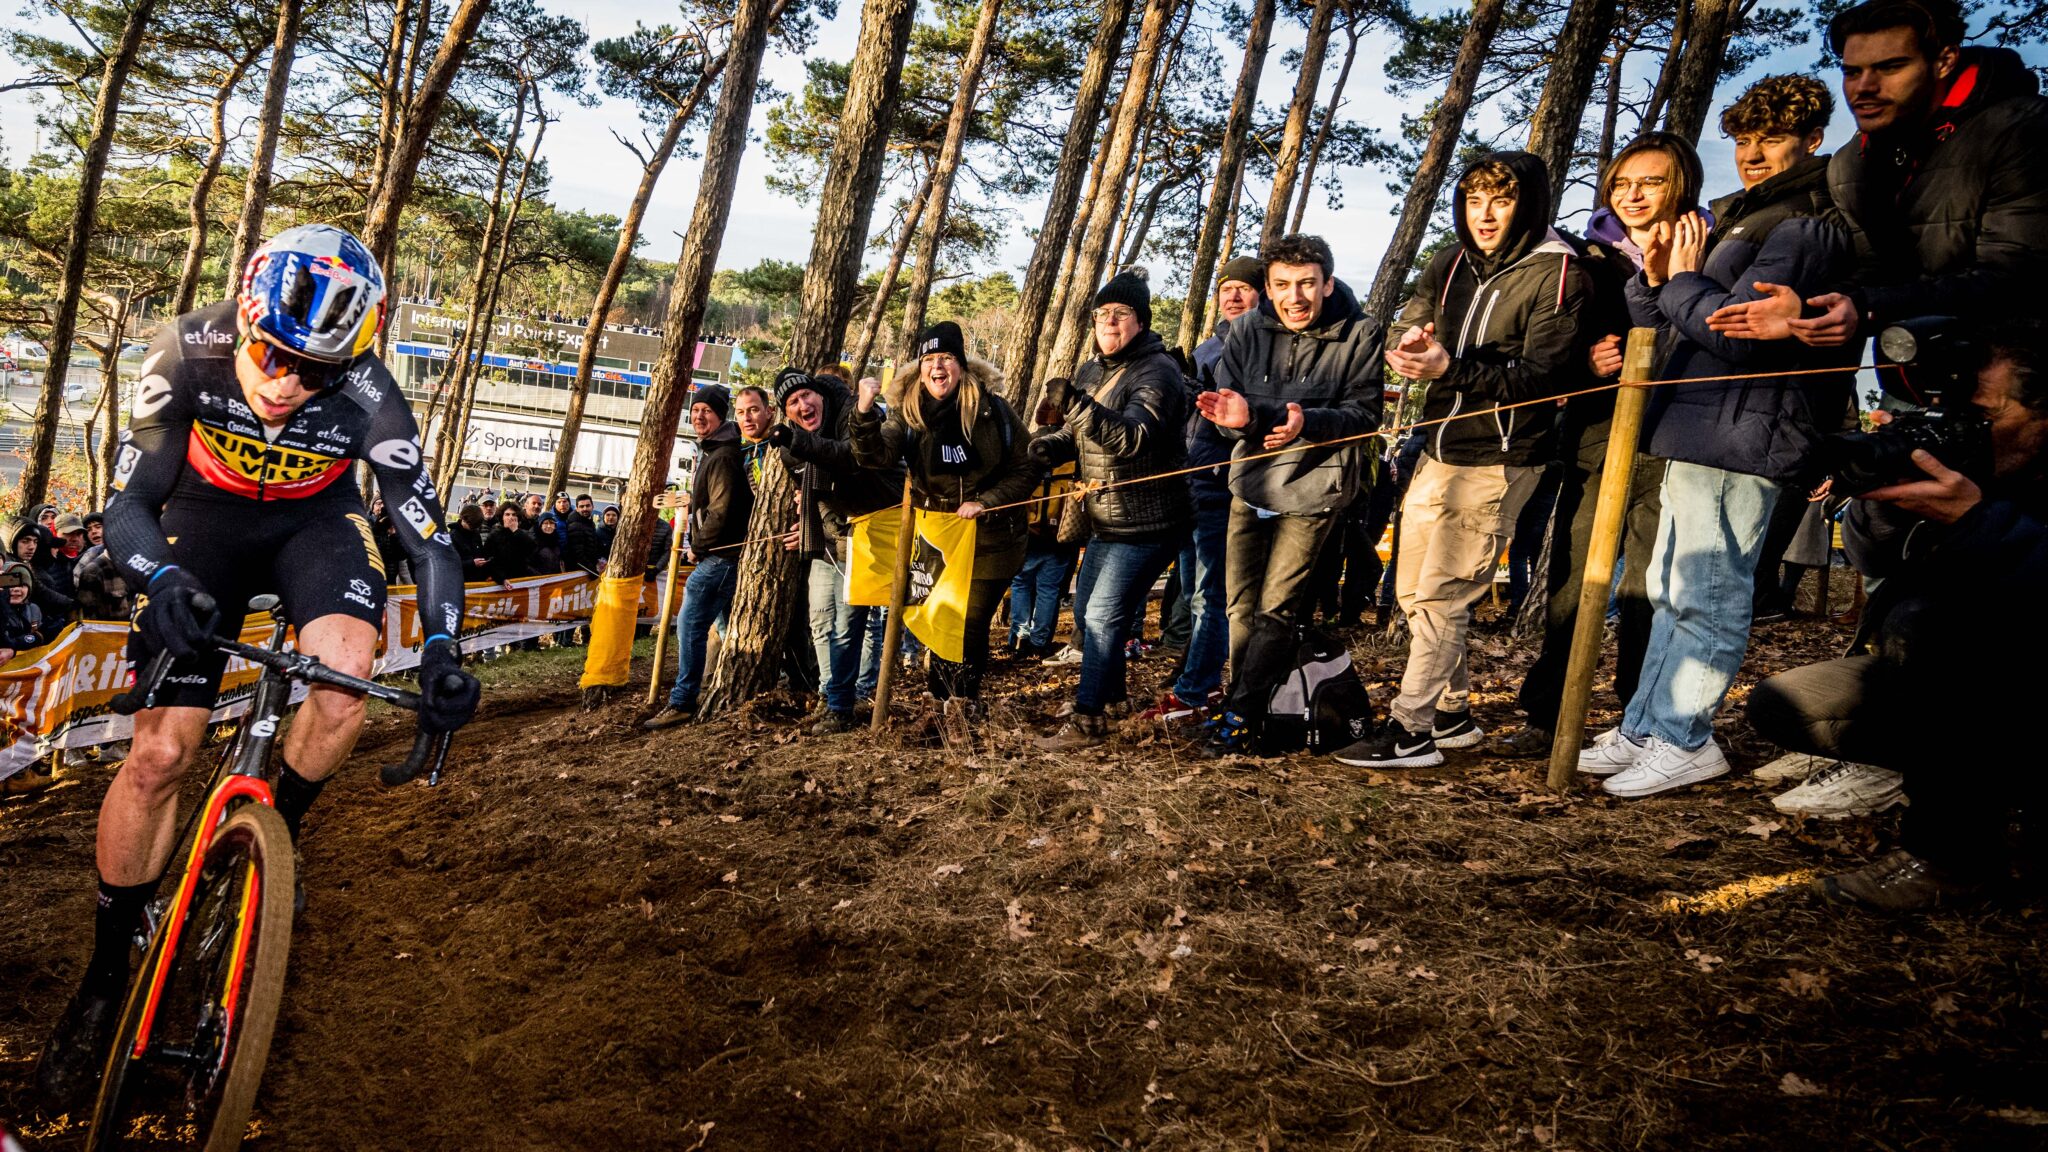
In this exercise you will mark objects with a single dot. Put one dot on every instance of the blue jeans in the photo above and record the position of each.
(871, 652)
(1702, 583)
(1201, 567)
(1115, 575)
(1035, 595)
(707, 597)
(838, 632)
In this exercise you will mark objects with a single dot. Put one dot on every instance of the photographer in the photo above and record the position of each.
(1946, 665)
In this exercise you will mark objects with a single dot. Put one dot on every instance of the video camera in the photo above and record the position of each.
(1930, 363)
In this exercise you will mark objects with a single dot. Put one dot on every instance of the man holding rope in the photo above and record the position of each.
(721, 502)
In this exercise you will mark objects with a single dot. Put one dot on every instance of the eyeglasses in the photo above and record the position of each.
(276, 363)
(1622, 184)
(1114, 314)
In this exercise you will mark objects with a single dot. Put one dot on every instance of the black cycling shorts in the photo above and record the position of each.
(320, 560)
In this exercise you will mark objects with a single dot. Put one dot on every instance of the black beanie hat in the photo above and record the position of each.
(790, 381)
(943, 337)
(714, 397)
(1129, 289)
(1245, 270)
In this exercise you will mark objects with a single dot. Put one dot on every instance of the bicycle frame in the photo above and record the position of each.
(245, 781)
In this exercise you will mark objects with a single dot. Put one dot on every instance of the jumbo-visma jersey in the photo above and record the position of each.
(192, 438)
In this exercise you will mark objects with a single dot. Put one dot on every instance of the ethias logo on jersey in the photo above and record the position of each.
(248, 466)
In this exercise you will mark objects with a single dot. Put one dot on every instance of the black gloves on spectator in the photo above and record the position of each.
(1040, 452)
(170, 620)
(1059, 392)
(448, 695)
(779, 435)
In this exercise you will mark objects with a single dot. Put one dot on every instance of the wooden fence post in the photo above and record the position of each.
(1597, 583)
(669, 593)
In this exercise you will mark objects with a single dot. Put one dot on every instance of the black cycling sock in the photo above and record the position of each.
(294, 795)
(114, 921)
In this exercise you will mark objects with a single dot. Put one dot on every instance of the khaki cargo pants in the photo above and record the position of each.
(1455, 521)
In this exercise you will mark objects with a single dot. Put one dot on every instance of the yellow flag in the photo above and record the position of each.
(941, 572)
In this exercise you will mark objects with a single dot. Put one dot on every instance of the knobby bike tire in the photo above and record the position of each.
(141, 1103)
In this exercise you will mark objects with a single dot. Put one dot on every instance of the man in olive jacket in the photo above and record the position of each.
(1303, 368)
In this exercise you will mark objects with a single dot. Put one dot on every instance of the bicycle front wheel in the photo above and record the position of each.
(196, 1030)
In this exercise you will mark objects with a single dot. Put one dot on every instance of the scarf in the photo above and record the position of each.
(953, 452)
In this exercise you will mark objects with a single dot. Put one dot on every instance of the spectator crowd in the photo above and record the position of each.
(1251, 476)
(1254, 476)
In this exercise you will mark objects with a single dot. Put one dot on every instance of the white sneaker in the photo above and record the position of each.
(1610, 752)
(1843, 789)
(1068, 654)
(1660, 767)
(1791, 766)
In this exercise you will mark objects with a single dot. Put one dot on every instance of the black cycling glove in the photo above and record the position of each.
(448, 695)
(170, 620)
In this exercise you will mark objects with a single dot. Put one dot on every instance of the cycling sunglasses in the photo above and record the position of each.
(276, 363)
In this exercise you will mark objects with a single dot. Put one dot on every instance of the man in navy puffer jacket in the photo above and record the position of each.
(1735, 445)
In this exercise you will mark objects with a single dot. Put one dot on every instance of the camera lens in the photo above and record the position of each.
(1898, 344)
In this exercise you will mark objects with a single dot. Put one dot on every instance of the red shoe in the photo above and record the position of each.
(1172, 709)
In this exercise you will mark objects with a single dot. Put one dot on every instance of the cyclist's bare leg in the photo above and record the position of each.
(139, 815)
(325, 729)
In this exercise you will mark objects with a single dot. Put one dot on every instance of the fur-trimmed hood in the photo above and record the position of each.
(980, 371)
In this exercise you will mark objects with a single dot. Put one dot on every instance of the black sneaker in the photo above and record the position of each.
(1392, 747)
(1456, 730)
(76, 1054)
(833, 723)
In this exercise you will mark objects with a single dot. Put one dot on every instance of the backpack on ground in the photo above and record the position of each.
(1317, 701)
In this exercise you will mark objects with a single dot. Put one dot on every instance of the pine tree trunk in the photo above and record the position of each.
(470, 345)
(35, 472)
(1142, 226)
(724, 145)
(934, 228)
(1574, 57)
(1229, 169)
(391, 94)
(1021, 349)
(1444, 128)
(1699, 66)
(1049, 324)
(110, 399)
(853, 177)
(622, 258)
(389, 198)
(1287, 162)
(1123, 138)
(1323, 130)
(1607, 120)
(452, 463)
(1667, 73)
(256, 189)
(885, 287)
(202, 185)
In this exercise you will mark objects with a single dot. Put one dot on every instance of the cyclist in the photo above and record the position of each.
(233, 480)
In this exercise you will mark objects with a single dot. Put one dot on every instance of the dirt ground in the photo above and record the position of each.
(728, 936)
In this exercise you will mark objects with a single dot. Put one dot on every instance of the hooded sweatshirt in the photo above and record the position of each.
(1333, 370)
(1951, 219)
(1516, 323)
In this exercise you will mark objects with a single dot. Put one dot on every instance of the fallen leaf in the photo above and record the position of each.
(1018, 923)
(1705, 961)
(949, 869)
(663, 822)
(1476, 866)
(1944, 1004)
(1179, 918)
(810, 785)
(1327, 862)
(732, 877)
(842, 904)
(647, 908)
(1812, 985)
(1761, 828)
(1366, 944)
(1314, 830)
(1087, 938)
(728, 818)
(2031, 1117)
(1420, 973)
(1793, 1084)
(1544, 1134)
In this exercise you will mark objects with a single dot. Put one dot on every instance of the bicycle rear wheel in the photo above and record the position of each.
(193, 1041)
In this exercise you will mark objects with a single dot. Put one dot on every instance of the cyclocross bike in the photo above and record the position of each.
(196, 1029)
